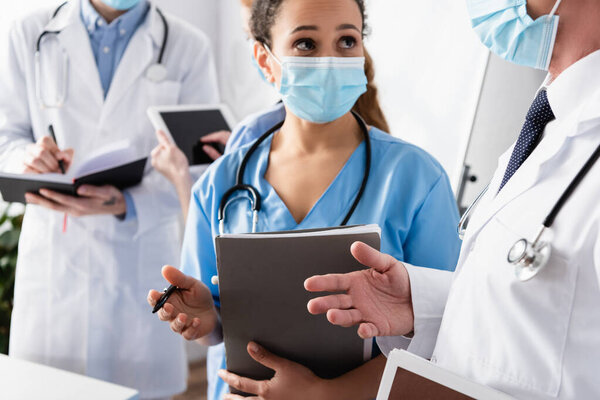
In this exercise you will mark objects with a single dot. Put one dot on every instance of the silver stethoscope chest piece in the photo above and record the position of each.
(156, 73)
(529, 258)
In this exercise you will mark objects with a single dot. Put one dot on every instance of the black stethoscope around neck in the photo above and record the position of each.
(255, 197)
(529, 258)
(156, 72)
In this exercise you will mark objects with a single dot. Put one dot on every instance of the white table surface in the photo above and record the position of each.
(23, 380)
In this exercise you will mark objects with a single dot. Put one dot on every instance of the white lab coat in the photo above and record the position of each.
(538, 339)
(80, 296)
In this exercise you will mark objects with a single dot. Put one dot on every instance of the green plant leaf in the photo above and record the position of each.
(4, 217)
(8, 260)
(10, 239)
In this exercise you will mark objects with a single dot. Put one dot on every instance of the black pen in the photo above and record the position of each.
(61, 165)
(163, 299)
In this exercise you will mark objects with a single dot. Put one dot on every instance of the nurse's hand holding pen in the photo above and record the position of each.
(377, 299)
(190, 311)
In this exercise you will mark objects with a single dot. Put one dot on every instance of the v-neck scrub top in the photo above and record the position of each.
(408, 195)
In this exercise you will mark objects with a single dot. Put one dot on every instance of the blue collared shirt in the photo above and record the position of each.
(109, 41)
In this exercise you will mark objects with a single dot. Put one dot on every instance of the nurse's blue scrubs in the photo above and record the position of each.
(254, 126)
(408, 195)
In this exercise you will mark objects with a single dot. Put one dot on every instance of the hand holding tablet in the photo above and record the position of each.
(193, 127)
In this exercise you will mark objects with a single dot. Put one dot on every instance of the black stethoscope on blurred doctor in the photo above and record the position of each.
(156, 72)
(529, 258)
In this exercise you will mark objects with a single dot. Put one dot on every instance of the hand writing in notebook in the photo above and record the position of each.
(43, 156)
(377, 299)
(190, 311)
(94, 200)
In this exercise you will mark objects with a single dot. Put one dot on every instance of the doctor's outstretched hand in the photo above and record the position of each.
(190, 311)
(377, 299)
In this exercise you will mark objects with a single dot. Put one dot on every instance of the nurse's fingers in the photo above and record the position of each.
(212, 152)
(178, 278)
(328, 283)
(193, 331)
(345, 318)
(335, 301)
(167, 312)
(179, 324)
(371, 258)
(153, 297)
(266, 358)
(240, 383)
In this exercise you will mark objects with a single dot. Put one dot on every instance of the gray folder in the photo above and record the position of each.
(261, 285)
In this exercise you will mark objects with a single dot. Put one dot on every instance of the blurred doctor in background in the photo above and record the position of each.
(520, 313)
(79, 296)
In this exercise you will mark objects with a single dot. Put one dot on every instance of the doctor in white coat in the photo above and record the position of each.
(538, 339)
(80, 295)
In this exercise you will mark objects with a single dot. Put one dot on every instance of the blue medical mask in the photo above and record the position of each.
(508, 31)
(121, 4)
(321, 89)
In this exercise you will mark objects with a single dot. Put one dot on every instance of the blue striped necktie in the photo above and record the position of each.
(539, 115)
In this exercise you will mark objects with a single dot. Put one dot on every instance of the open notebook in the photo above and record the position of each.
(116, 164)
(261, 286)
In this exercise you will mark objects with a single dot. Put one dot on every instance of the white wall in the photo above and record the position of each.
(429, 68)
(12, 10)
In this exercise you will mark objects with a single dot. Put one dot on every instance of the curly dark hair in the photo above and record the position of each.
(264, 13)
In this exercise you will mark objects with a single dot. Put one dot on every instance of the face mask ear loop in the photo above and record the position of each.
(554, 9)
(266, 46)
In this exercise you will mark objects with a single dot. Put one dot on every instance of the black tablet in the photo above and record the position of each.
(186, 124)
